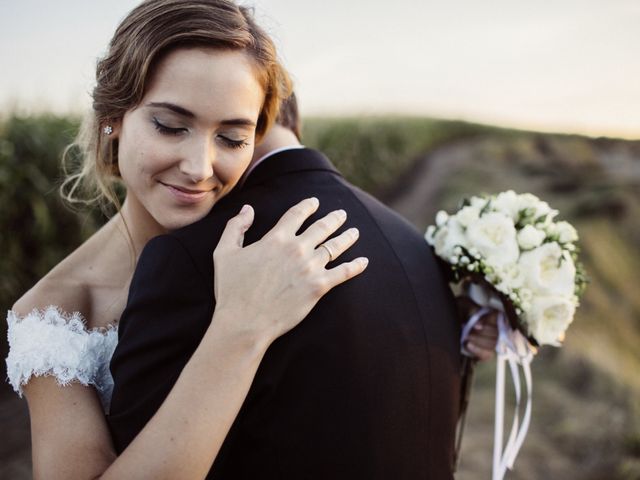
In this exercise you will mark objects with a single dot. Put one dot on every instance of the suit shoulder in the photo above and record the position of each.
(165, 254)
(385, 217)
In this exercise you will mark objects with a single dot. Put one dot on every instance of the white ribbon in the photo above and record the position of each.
(512, 347)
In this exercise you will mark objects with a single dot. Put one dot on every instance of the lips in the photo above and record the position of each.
(186, 195)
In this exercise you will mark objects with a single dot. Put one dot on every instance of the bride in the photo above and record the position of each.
(184, 92)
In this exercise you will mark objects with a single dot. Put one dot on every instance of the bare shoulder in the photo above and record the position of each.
(62, 288)
(68, 285)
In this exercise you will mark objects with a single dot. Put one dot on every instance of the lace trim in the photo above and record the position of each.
(50, 342)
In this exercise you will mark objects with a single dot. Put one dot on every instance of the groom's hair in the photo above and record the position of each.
(289, 116)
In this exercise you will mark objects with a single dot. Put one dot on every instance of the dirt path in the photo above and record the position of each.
(416, 200)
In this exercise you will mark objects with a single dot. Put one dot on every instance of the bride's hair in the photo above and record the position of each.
(145, 36)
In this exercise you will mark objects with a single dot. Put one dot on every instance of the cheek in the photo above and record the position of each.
(234, 166)
(150, 160)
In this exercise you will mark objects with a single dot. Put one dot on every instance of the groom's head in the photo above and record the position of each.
(289, 116)
(285, 132)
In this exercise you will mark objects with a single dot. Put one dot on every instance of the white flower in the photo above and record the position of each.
(565, 231)
(548, 271)
(526, 295)
(441, 218)
(538, 207)
(507, 202)
(531, 202)
(467, 215)
(547, 217)
(549, 317)
(448, 237)
(478, 202)
(512, 275)
(494, 237)
(429, 234)
(530, 237)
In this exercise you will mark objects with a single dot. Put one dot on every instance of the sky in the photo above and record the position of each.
(562, 65)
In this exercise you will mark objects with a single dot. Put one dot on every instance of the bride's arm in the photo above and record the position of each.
(255, 305)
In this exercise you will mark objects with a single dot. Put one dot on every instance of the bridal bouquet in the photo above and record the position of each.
(513, 256)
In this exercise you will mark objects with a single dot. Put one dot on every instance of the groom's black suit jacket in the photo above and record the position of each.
(366, 387)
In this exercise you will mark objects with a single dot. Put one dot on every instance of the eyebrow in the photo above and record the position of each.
(189, 114)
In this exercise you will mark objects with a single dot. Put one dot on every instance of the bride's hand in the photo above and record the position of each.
(268, 287)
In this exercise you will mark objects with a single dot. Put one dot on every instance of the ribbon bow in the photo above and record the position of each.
(512, 348)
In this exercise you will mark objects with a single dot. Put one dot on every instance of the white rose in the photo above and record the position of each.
(530, 237)
(441, 218)
(507, 202)
(467, 215)
(511, 275)
(448, 237)
(566, 232)
(526, 295)
(537, 206)
(529, 201)
(549, 317)
(548, 271)
(494, 236)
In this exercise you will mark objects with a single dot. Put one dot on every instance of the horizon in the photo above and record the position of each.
(570, 68)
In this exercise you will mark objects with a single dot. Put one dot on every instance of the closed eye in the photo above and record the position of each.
(233, 143)
(167, 130)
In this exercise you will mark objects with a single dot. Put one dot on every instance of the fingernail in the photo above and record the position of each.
(341, 213)
(364, 261)
(314, 201)
(244, 209)
(354, 232)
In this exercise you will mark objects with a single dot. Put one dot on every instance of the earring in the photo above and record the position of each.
(107, 130)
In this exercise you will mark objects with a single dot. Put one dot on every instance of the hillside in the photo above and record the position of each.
(586, 421)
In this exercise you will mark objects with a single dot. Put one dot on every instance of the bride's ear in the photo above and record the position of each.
(111, 129)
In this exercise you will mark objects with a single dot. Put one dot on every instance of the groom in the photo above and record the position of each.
(365, 388)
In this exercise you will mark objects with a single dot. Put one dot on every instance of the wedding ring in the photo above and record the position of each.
(326, 247)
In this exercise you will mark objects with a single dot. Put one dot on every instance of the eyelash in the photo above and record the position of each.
(177, 131)
(234, 143)
(167, 130)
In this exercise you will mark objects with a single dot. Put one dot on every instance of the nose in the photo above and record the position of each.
(197, 163)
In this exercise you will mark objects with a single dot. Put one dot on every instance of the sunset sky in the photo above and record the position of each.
(566, 65)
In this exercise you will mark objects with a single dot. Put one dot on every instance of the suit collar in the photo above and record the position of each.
(289, 161)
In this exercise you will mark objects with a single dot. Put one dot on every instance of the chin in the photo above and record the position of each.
(181, 219)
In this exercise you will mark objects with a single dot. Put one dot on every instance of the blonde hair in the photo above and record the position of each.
(149, 32)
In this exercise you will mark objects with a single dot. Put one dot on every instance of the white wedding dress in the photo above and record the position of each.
(50, 342)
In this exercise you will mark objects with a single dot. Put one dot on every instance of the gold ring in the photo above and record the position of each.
(326, 247)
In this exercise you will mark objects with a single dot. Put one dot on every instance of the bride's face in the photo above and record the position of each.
(191, 138)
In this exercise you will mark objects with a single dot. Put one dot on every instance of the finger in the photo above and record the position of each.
(487, 332)
(486, 343)
(490, 318)
(233, 234)
(480, 353)
(292, 219)
(337, 246)
(345, 271)
(321, 229)
(483, 328)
